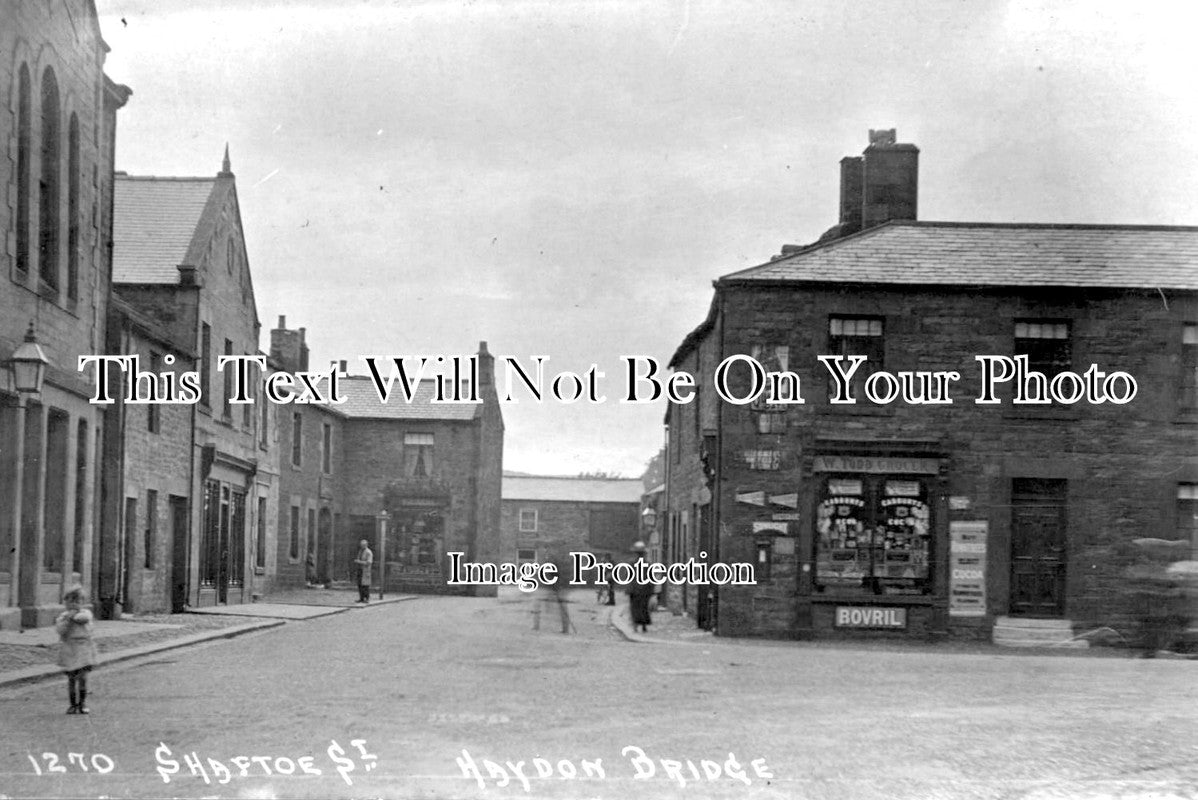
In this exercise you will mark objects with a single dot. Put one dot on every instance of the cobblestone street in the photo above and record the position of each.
(451, 697)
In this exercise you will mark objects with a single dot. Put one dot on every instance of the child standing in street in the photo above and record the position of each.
(77, 652)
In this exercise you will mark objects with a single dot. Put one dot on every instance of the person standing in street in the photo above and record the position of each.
(365, 561)
(639, 594)
(77, 651)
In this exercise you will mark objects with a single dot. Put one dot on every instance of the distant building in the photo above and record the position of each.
(57, 126)
(976, 520)
(544, 516)
(433, 467)
(180, 260)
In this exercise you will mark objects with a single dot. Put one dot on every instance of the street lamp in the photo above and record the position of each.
(649, 526)
(29, 365)
(383, 517)
(649, 517)
(28, 372)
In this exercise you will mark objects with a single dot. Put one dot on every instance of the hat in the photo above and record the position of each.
(639, 547)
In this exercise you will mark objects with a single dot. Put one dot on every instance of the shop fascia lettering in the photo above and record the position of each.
(871, 617)
(877, 465)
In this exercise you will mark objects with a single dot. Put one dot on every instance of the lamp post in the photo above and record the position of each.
(28, 364)
(383, 517)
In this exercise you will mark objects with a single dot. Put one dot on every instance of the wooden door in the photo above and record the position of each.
(1038, 550)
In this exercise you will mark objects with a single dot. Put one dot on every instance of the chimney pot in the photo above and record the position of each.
(883, 138)
(282, 322)
(187, 274)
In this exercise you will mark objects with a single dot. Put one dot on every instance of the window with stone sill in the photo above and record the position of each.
(154, 410)
(1189, 366)
(1046, 343)
(528, 520)
(774, 358)
(856, 336)
(49, 188)
(1187, 516)
(297, 439)
(418, 455)
(227, 405)
(293, 549)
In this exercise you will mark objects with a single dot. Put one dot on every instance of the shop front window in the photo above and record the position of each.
(873, 535)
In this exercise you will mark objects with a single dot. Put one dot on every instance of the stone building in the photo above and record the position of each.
(433, 467)
(311, 516)
(150, 470)
(57, 126)
(548, 515)
(890, 517)
(180, 260)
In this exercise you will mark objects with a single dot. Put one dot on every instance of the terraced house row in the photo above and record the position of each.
(162, 506)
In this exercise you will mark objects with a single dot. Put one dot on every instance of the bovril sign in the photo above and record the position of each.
(871, 617)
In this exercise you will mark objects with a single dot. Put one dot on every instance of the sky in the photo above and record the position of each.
(566, 179)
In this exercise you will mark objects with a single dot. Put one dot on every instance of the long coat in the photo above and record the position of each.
(77, 650)
(365, 561)
(639, 595)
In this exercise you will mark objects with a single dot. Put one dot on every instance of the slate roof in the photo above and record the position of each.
(154, 222)
(973, 254)
(362, 402)
(572, 490)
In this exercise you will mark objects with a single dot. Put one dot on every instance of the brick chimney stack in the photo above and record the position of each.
(486, 365)
(891, 179)
(880, 185)
(287, 348)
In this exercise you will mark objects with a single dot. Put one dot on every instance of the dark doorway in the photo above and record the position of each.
(222, 548)
(179, 542)
(706, 606)
(324, 546)
(1038, 547)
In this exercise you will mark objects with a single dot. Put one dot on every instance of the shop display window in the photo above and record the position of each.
(873, 535)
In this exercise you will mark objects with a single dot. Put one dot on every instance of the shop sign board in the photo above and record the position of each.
(967, 568)
(871, 617)
(892, 465)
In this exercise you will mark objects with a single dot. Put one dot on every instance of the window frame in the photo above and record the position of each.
(536, 519)
(419, 450)
(1034, 340)
(869, 344)
(297, 439)
(1188, 377)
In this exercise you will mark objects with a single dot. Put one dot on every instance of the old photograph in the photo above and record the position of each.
(590, 399)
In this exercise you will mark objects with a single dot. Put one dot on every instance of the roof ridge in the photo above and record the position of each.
(1087, 226)
(123, 176)
(568, 478)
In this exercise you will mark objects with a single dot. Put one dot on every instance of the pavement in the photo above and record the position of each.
(478, 699)
(30, 655)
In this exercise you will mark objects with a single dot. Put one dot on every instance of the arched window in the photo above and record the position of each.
(230, 254)
(24, 111)
(48, 222)
(73, 208)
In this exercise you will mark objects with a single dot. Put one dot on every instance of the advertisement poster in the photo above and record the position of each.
(967, 569)
(487, 399)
